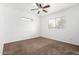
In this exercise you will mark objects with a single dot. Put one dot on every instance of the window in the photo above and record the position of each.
(56, 22)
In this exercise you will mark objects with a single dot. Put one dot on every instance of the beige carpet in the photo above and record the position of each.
(40, 46)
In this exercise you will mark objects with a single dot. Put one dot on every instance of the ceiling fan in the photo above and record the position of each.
(40, 8)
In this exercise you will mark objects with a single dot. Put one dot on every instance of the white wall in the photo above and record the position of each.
(18, 29)
(13, 28)
(70, 32)
(1, 28)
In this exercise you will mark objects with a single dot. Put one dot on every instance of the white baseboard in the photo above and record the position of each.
(49, 37)
(21, 39)
(1, 48)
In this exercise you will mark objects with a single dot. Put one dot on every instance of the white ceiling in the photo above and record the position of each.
(26, 7)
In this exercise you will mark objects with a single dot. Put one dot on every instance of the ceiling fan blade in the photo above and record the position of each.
(46, 6)
(38, 12)
(38, 5)
(45, 11)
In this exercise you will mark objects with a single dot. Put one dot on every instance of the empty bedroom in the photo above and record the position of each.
(39, 28)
